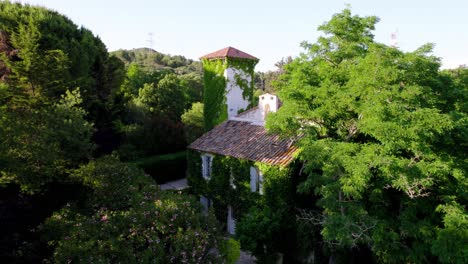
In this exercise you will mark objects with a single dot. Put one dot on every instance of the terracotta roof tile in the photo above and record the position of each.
(243, 140)
(229, 52)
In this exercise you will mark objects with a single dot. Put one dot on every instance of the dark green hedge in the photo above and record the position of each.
(164, 168)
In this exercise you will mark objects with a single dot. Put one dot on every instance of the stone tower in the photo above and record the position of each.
(228, 78)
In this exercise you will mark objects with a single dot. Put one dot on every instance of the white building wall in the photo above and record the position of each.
(234, 98)
(270, 100)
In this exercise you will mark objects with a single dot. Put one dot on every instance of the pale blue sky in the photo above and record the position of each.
(268, 30)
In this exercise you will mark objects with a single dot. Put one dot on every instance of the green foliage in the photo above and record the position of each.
(151, 122)
(267, 227)
(164, 99)
(35, 71)
(43, 37)
(257, 231)
(150, 60)
(130, 221)
(381, 147)
(456, 96)
(45, 54)
(193, 122)
(136, 77)
(192, 84)
(230, 249)
(113, 184)
(160, 158)
(246, 67)
(261, 219)
(164, 168)
(156, 135)
(449, 245)
(39, 146)
(214, 99)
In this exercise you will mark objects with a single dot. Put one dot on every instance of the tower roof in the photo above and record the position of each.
(229, 52)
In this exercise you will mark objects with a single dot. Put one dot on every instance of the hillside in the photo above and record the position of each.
(151, 59)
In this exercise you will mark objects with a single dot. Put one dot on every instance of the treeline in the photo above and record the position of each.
(153, 103)
(70, 113)
(151, 59)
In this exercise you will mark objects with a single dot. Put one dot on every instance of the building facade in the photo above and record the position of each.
(236, 164)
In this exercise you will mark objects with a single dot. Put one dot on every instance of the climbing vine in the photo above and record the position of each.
(261, 218)
(214, 97)
(247, 67)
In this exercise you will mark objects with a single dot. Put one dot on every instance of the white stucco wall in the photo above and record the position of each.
(234, 99)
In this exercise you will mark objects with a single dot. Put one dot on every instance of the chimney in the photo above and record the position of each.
(267, 103)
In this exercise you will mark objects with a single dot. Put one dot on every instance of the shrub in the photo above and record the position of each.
(164, 168)
(230, 249)
(127, 219)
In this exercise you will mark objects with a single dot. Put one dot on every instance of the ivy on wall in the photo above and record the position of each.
(214, 96)
(247, 67)
(214, 99)
(218, 188)
(261, 219)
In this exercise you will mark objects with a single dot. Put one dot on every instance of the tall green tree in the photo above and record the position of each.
(40, 146)
(386, 160)
(43, 54)
(193, 122)
(165, 98)
(35, 71)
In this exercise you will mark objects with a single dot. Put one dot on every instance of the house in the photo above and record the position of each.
(231, 163)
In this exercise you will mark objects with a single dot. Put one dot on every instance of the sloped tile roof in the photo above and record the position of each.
(244, 140)
(229, 52)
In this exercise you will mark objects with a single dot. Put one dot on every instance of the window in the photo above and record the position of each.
(231, 221)
(206, 203)
(256, 180)
(207, 161)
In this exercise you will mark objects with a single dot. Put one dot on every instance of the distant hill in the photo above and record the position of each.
(151, 59)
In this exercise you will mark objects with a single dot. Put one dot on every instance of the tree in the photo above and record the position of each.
(192, 84)
(377, 148)
(37, 72)
(165, 98)
(193, 122)
(39, 146)
(44, 54)
(128, 219)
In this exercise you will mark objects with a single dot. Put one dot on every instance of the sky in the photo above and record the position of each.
(266, 29)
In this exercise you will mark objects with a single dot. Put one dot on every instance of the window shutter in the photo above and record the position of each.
(209, 162)
(260, 182)
(253, 179)
(231, 221)
(205, 203)
(203, 157)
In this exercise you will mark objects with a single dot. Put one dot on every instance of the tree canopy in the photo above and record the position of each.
(383, 144)
(128, 219)
(64, 103)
